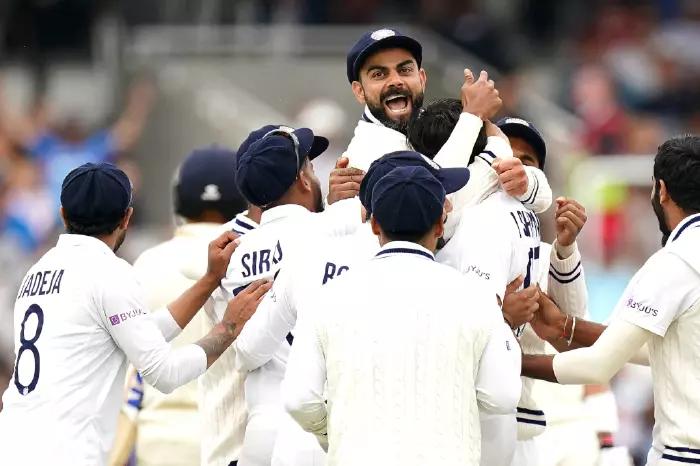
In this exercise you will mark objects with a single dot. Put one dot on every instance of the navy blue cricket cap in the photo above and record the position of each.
(270, 161)
(408, 200)
(206, 179)
(94, 193)
(373, 41)
(519, 128)
(452, 179)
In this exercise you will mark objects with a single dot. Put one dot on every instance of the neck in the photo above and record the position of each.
(254, 213)
(293, 198)
(675, 215)
(208, 216)
(429, 243)
(110, 239)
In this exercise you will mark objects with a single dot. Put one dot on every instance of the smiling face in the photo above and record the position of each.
(391, 85)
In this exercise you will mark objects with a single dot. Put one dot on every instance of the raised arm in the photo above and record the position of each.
(128, 128)
(23, 129)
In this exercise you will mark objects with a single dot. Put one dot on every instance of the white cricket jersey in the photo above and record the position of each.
(79, 319)
(170, 429)
(664, 298)
(409, 349)
(495, 242)
(222, 403)
(543, 403)
(285, 232)
(372, 140)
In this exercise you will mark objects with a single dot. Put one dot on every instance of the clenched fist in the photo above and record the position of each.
(480, 97)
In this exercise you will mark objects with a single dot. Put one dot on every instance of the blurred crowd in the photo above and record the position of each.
(627, 69)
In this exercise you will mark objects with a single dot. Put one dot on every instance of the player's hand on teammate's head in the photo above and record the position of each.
(519, 307)
(480, 96)
(219, 255)
(549, 320)
(512, 175)
(244, 304)
(570, 217)
(344, 181)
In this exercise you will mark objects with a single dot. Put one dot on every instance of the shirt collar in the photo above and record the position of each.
(281, 211)
(197, 229)
(393, 248)
(71, 240)
(690, 221)
(369, 118)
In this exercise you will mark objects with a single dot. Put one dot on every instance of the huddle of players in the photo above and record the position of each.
(390, 332)
(491, 239)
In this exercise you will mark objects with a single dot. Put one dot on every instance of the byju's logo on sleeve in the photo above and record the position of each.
(117, 319)
(632, 304)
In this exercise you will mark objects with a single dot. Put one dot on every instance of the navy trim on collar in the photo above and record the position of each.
(244, 225)
(693, 219)
(405, 251)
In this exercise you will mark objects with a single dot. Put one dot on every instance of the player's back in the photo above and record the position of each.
(496, 241)
(65, 392)
(406, 346)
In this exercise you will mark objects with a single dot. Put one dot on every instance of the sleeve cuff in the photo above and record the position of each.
(166, 323)
(565, 270)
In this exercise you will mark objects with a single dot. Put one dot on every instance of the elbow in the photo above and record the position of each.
(159, 383)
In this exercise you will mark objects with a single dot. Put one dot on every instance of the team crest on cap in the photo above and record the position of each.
(518, 121)
(211, 193)
(380, 34)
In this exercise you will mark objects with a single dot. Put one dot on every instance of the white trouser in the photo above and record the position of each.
(295, 447)
(568, 444)
(260, 435)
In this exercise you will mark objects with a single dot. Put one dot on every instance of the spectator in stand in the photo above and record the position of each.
(60, 148)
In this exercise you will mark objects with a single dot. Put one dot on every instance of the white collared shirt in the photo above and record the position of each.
(79, 319)
(664, 298)
(408, 349)
(241, 224)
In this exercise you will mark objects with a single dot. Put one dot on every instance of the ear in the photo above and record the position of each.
(359, 92)
(303, 182)
(124, 224)
(663, 192)
(63, 217)
(375, 226)
(423, 78)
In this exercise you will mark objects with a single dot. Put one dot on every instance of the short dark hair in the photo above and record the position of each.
(433, 124)
(411, 237)
(93, 229)
(677, 163)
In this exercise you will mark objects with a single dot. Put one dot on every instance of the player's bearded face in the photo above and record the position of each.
(395, 106)
(660, 214)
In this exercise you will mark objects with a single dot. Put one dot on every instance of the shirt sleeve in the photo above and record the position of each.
(498, 383)
(268, 327)
(304, 381)
(340, 218)
(566, 282)
(457, 149)
(663, 289)
(103, 145)
(538, 196)
(166, 323)
(42, 145)
(136, 333)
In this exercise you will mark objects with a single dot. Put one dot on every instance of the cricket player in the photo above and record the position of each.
(588, 412)
(80, 318)
(167, 429)
(275, 173)
(299, 281)
(512, 253)
(408, 360)
(384, 70)
(657, 317)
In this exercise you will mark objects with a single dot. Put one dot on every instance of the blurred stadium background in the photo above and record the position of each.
(606, 82)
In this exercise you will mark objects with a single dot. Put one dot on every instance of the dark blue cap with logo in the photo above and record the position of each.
(408, 200)
(271, 160)
(207, 179)
(373, 41)
(452, 179)
(519, 128)
(95, 193)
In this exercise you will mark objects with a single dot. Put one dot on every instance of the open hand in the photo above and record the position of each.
(241, 308)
